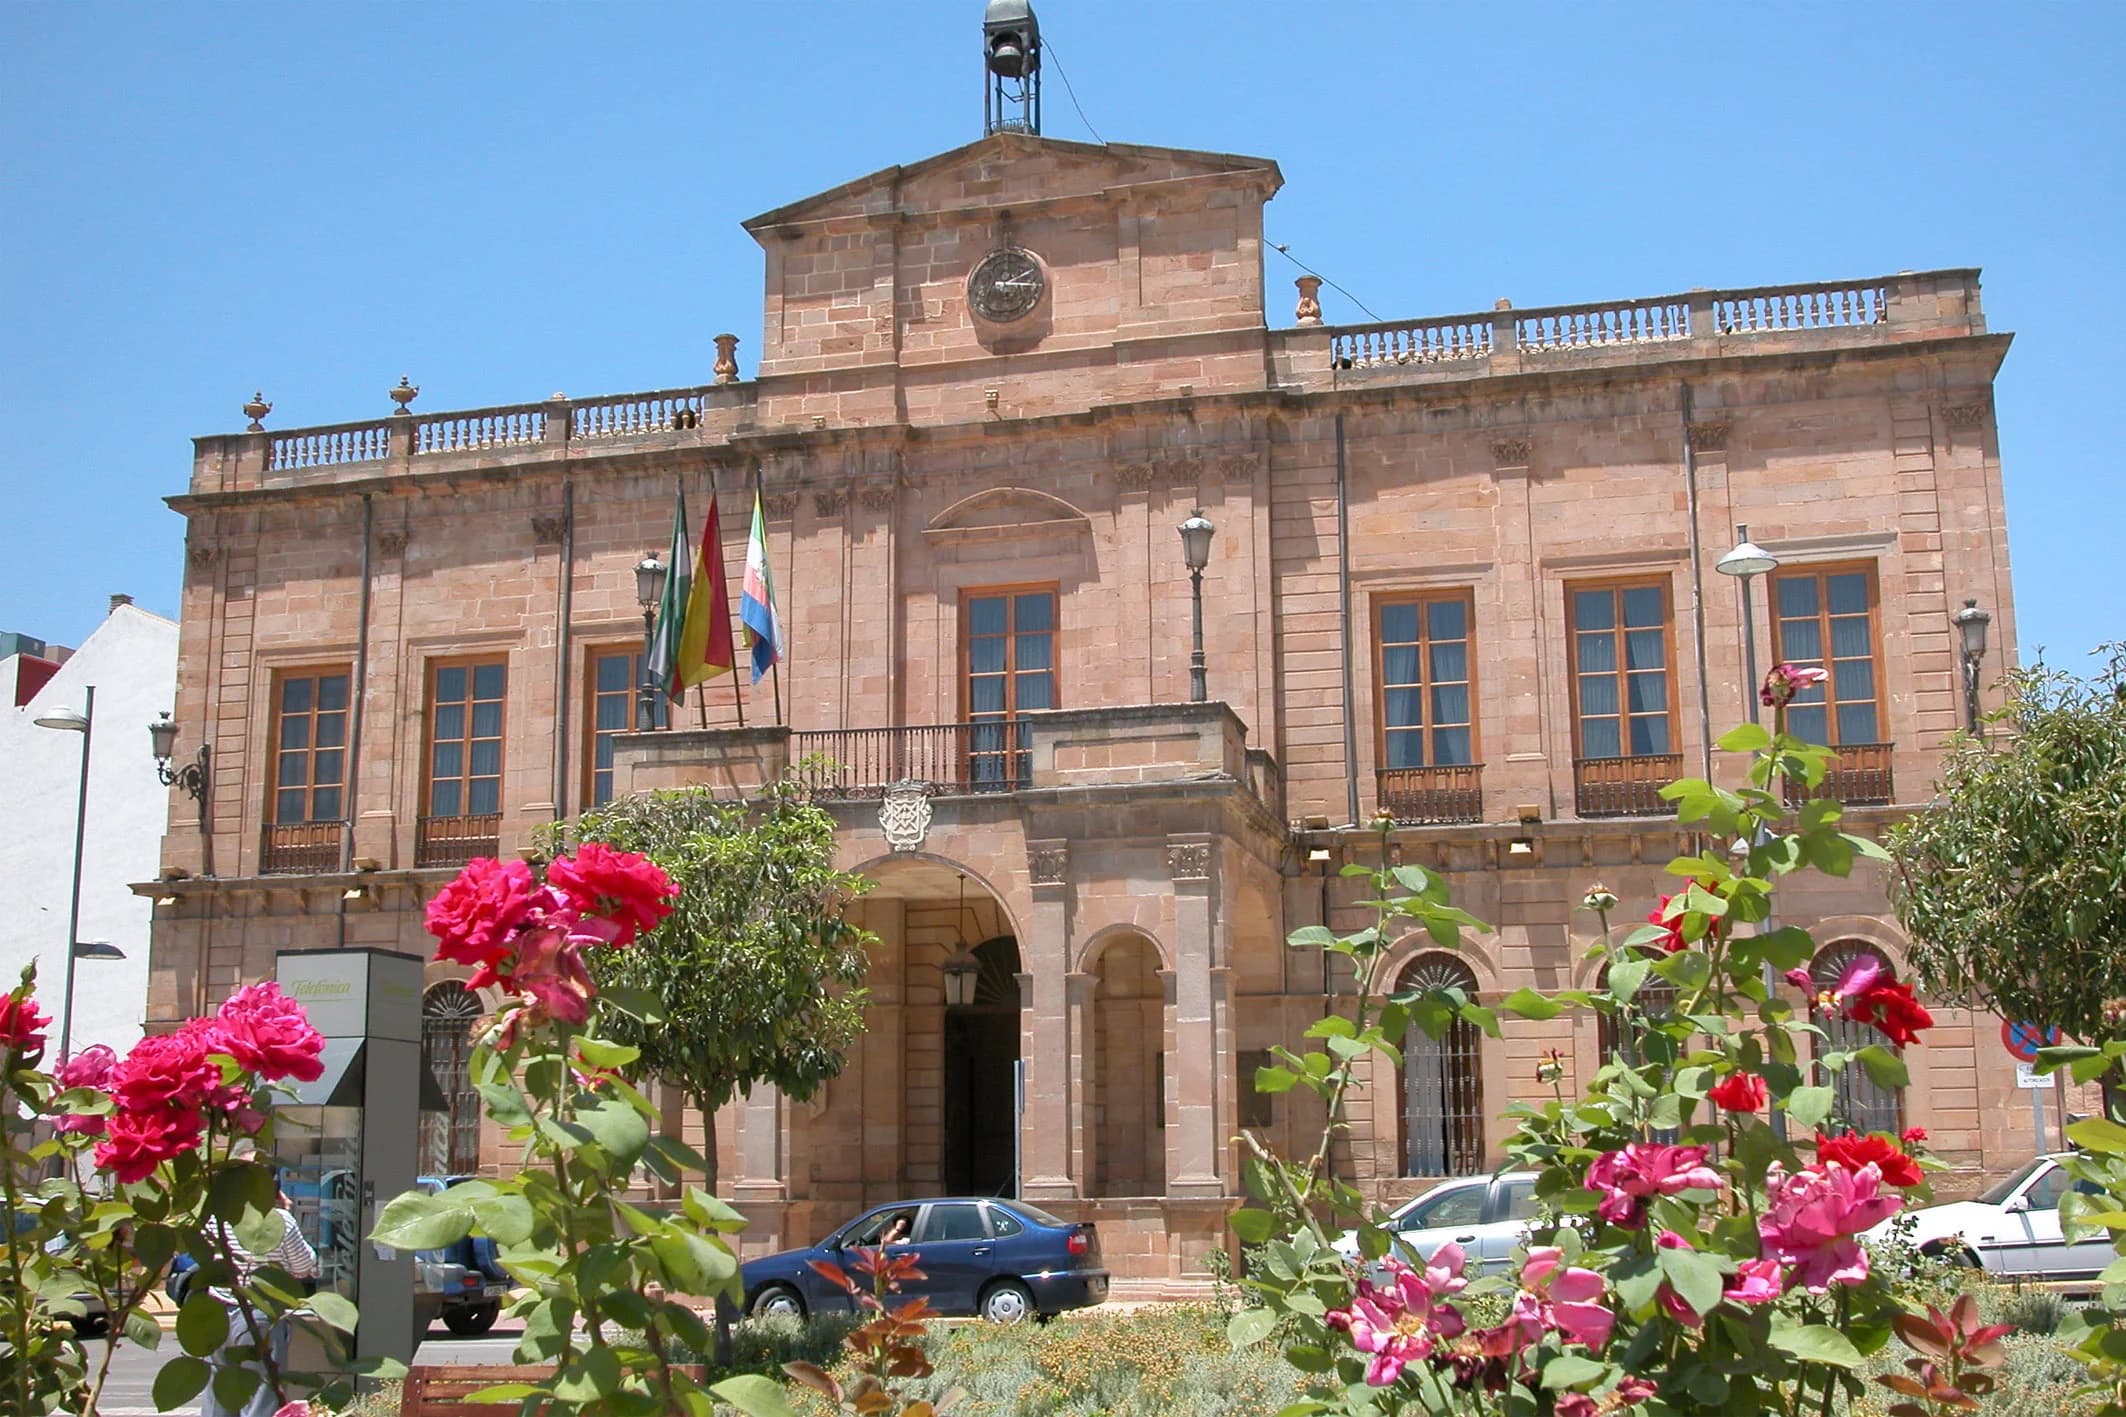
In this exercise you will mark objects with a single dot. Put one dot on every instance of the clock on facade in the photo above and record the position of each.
(1005, 285)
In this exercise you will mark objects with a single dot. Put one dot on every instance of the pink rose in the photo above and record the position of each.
(621, 886)
(1813, 1217)
(268, 1033)
(1785, 681)
(22, 1026)
(1404, 1321)
(88, 1068)
(167, 1070)
(474, 916)
(140, 1139)
(1754, 1282)
(1631, 1178)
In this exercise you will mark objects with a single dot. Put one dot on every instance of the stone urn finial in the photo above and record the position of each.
(1309, 311)
(726, 359)
(404, 394)
(255, 410)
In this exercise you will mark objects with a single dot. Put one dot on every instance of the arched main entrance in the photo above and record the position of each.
(981, 1102)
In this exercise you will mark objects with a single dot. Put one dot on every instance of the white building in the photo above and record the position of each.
(131, 660)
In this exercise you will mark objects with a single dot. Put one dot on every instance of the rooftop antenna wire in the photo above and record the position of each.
(1286, 251)
(1049, 47)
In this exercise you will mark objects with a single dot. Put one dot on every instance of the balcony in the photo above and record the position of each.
(1859, 777)
(953, 758)
(1430, 796)
(1624, 787)
(301, 848)
(453, 841)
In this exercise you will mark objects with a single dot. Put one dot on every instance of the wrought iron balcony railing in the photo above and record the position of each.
(1427, 796)
(1624, 787)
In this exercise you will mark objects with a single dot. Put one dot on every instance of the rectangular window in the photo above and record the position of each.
(465, 738)
(613, 689)
(1007, 667)
(1825, 617)
(1426, 671)
(1622, 684)
(309, 746)
(1255, 1107)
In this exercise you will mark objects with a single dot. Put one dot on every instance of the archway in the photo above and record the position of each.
(1443, 1089)
(981, 1102)
(450, 1141)
(1861, 1104)
(1128, 1049)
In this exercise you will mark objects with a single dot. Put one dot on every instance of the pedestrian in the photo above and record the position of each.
(291, 1253)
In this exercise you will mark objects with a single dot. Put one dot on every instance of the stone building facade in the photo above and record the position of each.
(1462, 574)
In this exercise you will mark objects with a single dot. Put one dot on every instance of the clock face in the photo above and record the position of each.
(1006, 285)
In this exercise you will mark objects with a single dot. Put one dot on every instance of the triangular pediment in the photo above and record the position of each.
(1004, 169)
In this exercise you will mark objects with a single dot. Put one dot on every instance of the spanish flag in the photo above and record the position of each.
(705, 649)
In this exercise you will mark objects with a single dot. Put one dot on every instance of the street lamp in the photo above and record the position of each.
(1746, 562)
(1196, 534)
(84, 723)
(1971, 623)
(649, 590)
(194, 777)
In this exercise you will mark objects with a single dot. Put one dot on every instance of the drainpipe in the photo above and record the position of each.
(561, 639)
(361, 697)
(1697, 592)
(1343, 610)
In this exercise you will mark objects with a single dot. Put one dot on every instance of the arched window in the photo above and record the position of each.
(450, 1142)
(1443, 1090)
(1862, 1104)
(1656, 996)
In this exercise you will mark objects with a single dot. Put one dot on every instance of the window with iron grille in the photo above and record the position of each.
(1825, 617)
(1427, 676)
(1656, 998)
(1443, 1089)
(1861, 1104)
(309, 746)
(614, 685)
(450, 1142)
(1623, 689)
(465, 738)
(1008, 667)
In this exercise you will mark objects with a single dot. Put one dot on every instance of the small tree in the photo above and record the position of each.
(756, 971)
(2013, 885)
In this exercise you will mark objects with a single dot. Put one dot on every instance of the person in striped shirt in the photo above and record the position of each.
(291, 1253)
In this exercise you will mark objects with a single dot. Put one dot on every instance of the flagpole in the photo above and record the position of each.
(737, 699)
(775, 664)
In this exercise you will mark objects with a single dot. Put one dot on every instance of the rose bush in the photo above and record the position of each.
(116, 1165)
(1697, 1249)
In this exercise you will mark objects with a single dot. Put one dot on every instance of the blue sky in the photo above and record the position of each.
(502, 201)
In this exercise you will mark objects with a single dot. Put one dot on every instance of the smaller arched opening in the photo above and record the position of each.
(450, 1141)
(1129, 1030)
(1860, 1103)
(981, 1077)
(1442, 1110)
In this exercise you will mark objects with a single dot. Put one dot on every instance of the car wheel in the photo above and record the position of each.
(470, 1320)
(1007, 1302)
(91, 1326)
(1959, 1255)
(778, 1299)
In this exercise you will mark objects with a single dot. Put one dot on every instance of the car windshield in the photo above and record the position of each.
(1449, 1205)
(2001, 1190)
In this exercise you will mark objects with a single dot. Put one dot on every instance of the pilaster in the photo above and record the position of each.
(1046, 1143)
(1196, 1067)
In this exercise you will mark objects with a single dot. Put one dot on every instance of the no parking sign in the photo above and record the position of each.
(2023, 1039)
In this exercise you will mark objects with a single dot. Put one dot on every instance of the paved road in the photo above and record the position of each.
(128, 1393)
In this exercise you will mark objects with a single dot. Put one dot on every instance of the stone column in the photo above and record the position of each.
(1198, 1148)
(1045, 1137)
(761, 1174)
(1079, 991)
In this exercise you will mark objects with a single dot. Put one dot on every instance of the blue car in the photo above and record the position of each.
(1003, 1260)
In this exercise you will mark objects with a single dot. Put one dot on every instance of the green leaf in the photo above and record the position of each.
(1573, 1370)
(710, 1213)
(504, 1103)
(1788, 947)
(1529, 1004)
(1311, 937)
(335, 1309)
(1815, 1343)
(617, 1127)
(1625, 977)
(1249, 1327)
(1810, 1105)
(506, 1219)
(638, 1004)
(234, 1386)
(142, 1329)
(418, 1221)
(2098, 1134)
(601, 1054)
(594, 1374)
(754, 1395)
(182, 1378)
(1253, 1226)
(1744, 738)
(1274, 1080)
(1694, 1276)
(1884, 1067)
(202, 1324)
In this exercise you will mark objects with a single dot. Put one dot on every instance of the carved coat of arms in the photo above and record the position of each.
(904, 814)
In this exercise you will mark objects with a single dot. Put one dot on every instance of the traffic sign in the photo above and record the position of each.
(2023, 1039)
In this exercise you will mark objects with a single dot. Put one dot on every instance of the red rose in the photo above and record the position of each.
(1672, 937)
(476, 913)
(1892, 1009)
(628, 889)
(141, 1139)
(1855, 1151)
(22, 1026)
(168, 1070)
(1912, 1135)
(268, 1033)
(1739, 1092)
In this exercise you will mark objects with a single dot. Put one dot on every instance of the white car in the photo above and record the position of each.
(1485, 1215)
(2012, 1229)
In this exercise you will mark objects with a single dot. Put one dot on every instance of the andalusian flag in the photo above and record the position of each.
(756, 605)
(705, 636)
(663, 668)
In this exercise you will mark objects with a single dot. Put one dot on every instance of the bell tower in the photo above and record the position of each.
(1011, 63)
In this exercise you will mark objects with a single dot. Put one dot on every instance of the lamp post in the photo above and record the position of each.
(649, 589)
(1745, 563)
(194, 777)
(84, 723)
(1196, 534)
(1971, 623)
